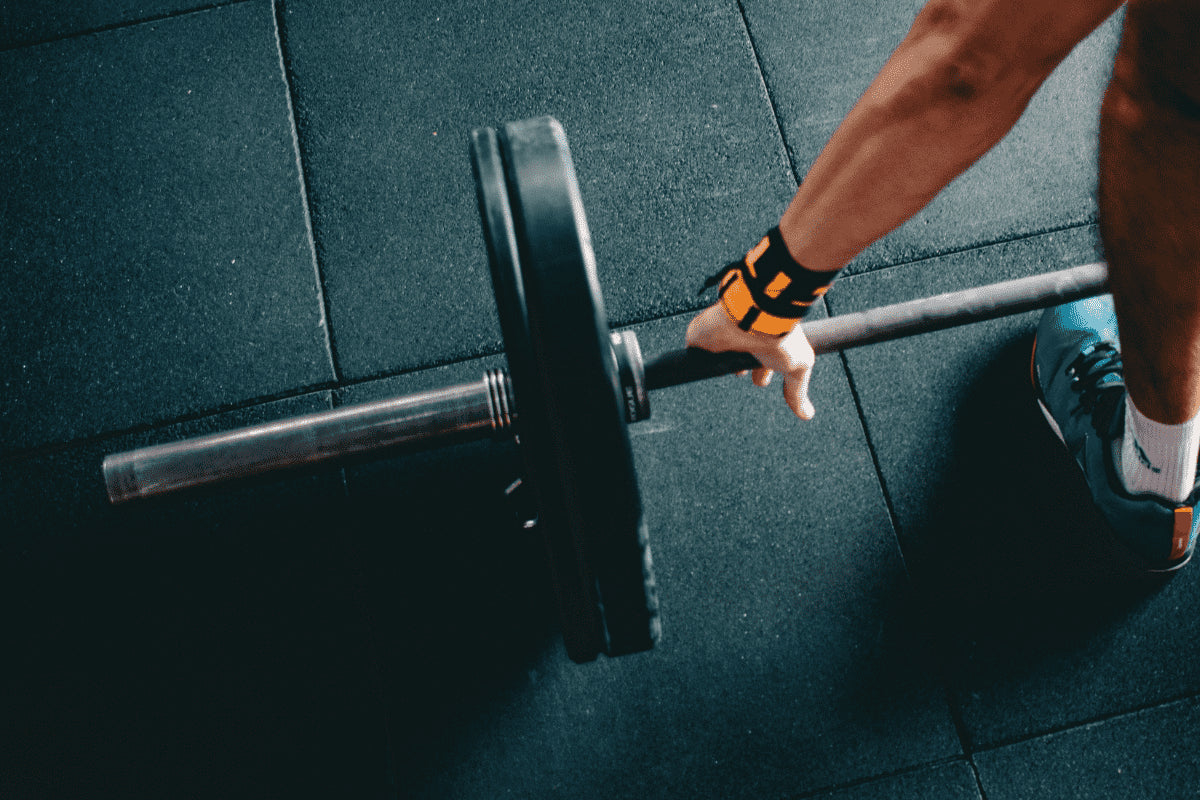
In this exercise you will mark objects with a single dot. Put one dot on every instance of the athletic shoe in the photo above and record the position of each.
(1080, 387)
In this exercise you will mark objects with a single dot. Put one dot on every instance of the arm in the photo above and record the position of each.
(952, 89)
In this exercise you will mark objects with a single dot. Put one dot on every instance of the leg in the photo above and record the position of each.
(1149, 185)
(1142, 433)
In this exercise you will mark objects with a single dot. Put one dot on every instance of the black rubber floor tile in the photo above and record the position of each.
(787, 661)
(679, 160)
(1149, 755)
(154, 253)
(25, 21)
(1043, 622)
(818, 58)
(953, 781)
(207, 646)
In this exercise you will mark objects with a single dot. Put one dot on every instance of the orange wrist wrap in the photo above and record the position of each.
(767, 292)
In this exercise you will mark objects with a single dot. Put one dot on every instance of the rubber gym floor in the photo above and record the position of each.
(223, 212)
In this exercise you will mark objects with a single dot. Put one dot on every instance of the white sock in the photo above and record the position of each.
(1157, 458)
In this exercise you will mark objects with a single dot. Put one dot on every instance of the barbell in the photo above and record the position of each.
(577, 386)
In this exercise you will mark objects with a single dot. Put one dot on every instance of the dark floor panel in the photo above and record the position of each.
(23, 21)
(949, 782)
(679, 160)
(818, 59)
(787, 661)
(155, 257)
(459, 594)
(1043, 624)
(1150, 755)
(210, 646)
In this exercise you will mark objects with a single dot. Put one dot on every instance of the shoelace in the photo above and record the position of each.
(1096, 374)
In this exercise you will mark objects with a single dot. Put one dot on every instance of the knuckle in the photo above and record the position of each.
(800, 361)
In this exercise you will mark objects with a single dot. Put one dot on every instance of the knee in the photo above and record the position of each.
(1158, 64)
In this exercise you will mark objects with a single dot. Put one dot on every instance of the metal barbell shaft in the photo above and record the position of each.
(484, 408)
(421, 421)
(896, 321)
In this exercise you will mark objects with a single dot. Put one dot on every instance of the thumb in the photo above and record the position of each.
(795, 392)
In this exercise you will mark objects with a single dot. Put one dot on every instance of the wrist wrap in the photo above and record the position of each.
(767, 292)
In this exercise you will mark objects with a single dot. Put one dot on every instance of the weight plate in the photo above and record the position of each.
(583, 631)
(570, 411)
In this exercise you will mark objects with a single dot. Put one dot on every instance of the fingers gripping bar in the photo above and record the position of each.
(896, 321)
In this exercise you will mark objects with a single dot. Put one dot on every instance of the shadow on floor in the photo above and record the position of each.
(201, 647)
(459, 593)
(1012, 557)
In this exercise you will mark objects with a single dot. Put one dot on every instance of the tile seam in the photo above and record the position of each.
(119, 25)
(302, 177)
(960, 724)
(893, 519)
(952, 709)
(875, 462)
(816, 794)
(46, 448)
(1020, 237)
(978, 781)
(353, 559)
(20, 453)
(766, 88)
(1099, 719)
(373, 377)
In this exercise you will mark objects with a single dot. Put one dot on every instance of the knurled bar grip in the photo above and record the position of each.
(896, 321)
(462, 412)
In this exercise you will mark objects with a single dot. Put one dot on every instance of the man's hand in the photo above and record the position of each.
(792, 355)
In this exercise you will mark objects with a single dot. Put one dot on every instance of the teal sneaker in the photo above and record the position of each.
(1080, 387)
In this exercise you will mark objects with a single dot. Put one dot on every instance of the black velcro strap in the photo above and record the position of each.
(778, 284)
(720, 276)
(748, 320)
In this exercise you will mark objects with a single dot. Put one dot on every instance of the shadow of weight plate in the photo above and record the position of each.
(571, 421)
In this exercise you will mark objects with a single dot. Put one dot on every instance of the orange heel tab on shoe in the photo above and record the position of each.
(1182, 533)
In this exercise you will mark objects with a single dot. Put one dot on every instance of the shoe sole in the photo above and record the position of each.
(1037, 394)
(1041, 402)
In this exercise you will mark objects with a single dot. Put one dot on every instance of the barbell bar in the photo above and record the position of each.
(570, 390)
(486, 409)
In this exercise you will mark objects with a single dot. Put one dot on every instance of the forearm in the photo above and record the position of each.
(943, 99)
